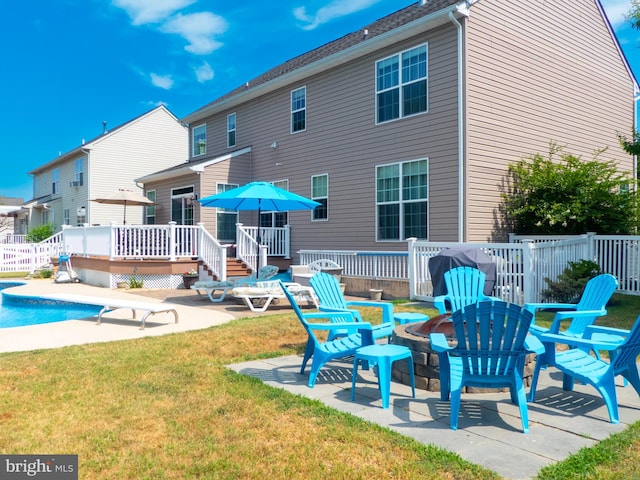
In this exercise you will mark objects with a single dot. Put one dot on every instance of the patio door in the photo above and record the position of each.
(182, 200)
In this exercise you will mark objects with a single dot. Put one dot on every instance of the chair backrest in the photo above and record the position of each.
(465, 286)
(491, 336)
(267, 272)
(627, 354)
(328, 291)
(596, 294)
(298, 311)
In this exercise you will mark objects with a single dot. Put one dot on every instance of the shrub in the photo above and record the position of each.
(571, 282)
(40, 233)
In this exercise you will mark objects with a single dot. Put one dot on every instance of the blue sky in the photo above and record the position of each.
(69, 65)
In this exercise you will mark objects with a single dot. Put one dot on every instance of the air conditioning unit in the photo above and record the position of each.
(74, 184)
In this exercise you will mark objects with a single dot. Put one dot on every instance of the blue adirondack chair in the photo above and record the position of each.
(465, 285)
(578, 364)
(592, 305)
(360, 335)
(492, 343)
(327, 289)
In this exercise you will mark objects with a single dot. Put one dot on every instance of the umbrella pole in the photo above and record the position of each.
(124, 220)
(258, 239)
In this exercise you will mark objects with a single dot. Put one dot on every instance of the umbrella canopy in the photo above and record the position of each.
(124, 197)
(259, 196)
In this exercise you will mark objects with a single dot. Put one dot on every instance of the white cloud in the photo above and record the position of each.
(199, 29)
(162, 81)
(150, 11)
(616, 11)
(331, 11)
(204, 73)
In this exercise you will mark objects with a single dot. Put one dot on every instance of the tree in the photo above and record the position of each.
(569, 196)
(630, 145)
(634, 14)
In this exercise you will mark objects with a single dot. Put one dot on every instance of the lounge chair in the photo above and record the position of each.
(211, 286)
(111, 304)
(258, 297)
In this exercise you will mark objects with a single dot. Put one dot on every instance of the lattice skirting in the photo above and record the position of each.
(149, 281)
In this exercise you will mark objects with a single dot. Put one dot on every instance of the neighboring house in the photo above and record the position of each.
(405, 128)
(64, 187)
(10, 208)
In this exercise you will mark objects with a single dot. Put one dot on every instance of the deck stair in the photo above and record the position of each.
(235, 268)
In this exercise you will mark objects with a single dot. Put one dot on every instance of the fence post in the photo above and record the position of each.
(411, 266)
(528, 271)
(591, 246)
(287, 241)
(112, 241)
(172, 241)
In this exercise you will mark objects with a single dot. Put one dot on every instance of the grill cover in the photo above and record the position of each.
(461, 257)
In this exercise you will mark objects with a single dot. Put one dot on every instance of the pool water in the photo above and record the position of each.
(21, 310)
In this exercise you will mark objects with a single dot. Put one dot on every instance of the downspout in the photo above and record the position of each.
(461, 233)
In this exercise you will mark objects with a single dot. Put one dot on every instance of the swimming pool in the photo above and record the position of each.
(22, 310)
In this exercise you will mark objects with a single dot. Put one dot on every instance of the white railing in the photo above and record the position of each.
(275, 239)
(13, 239)
(379, 265)
(212, 253)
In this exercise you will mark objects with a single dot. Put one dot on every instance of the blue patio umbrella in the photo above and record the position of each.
(259, 196)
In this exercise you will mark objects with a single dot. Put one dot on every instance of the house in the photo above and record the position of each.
(10, 208)
(64, 187)
(405, 127)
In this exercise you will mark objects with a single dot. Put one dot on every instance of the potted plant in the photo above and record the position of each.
(189, 278)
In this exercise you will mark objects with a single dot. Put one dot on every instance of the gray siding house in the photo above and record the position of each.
(405, 127)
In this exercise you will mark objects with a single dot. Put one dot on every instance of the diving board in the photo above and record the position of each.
(111, 304)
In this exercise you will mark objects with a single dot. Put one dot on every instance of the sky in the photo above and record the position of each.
(67, 66)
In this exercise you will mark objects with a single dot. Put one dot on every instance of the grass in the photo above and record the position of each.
(167, 408)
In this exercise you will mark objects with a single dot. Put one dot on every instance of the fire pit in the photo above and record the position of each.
(425, 361)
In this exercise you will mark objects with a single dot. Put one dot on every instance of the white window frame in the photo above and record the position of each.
(150, 210)
(55, 181)
(401, 202)
(319, 198)
(231, 129)
(400, 84)
(220, 188)
(199, 139)
(79, 172)
(186, 197)
(66, 216)
(297, 107)
(269, 218)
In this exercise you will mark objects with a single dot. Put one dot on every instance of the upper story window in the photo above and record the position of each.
(320, 193)
(402, 200)
(55, 181)
(298, 110)
(401, 84)
(79, 172)
(199, 139)
(231, 130)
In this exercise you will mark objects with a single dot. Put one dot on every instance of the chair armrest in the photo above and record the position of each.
(532, 307)
(591, 329)
(561, 316)
(387, 308)
(354, 313)
(439, 343)
(438, 303)
(533, 345)
(577, 342)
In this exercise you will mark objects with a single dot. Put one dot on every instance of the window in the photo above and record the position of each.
(299, 110)
(401, 84)
(226, 219)
(320, 193)
(401, 200)
(150, 211)
(66, 217)
(200, 140)
(55, 181)
(275, 219)
(79, 176)
(182, 205)
(231, 130)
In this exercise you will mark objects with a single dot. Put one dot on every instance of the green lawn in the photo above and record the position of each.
(167, 408)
